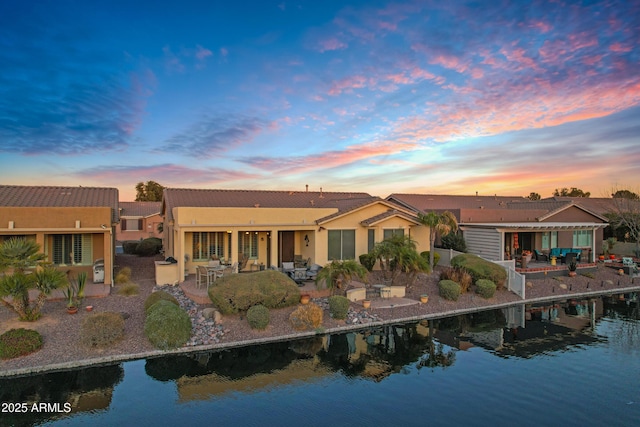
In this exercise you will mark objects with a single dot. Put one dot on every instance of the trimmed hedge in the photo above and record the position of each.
(338, 306)
(149, 247)
(101, 329)
(458, 275)
(19, 342)
(368, 261)
(485, 288)
(129, 247)
(239, 292)
(158, 296)
(449, 290)
(258, 317)
(306, 317)
(436, 257)
(481, 269)
(167, 325)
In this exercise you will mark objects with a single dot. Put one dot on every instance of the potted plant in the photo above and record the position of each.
(366, 303)
(424, 298)
(573, 265)
(71, 295)
(609, 244)
(305, 298)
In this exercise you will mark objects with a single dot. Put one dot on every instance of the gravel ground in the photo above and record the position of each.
(61, 330)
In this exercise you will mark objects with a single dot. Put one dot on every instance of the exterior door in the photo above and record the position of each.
(286, 246)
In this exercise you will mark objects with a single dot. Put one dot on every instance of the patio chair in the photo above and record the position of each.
(204, 276)
(540, 256)
(570, 256)
(312, 272)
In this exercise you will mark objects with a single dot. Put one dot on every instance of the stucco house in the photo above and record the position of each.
(138, 220)
(272, 227)
(500, 227)
(75, 226)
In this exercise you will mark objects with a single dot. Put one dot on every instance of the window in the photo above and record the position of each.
(207, 244)
(549, 239)
(371, 241)
(72, 249)
(248, 244)
(131, 224)
(393, 232)
(342, 244)
(582, 238)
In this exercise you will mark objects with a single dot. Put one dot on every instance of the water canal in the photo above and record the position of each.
(574, 362)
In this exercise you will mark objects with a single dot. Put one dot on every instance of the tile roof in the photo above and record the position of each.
(388, 214)
(140, 209)
(485, 209)
(429, 202)
(42, 196)
(184, 197)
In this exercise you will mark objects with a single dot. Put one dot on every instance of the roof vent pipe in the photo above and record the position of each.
(321, 195)
(306, 188)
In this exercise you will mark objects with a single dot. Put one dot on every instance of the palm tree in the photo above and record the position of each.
(443, 223)
(21, 255)
(340, 271)
(398, 254)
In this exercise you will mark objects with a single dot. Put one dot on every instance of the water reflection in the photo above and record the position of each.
(85, 389)
(373, 355)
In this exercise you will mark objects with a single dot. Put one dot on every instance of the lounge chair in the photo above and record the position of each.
(540, 256)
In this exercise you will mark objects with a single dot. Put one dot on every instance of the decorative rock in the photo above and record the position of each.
(208, 312)
(563, 286)
(529, 285)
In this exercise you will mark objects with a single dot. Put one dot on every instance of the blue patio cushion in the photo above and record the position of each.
(562, 252)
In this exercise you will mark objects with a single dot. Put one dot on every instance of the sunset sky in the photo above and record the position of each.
(442, 97)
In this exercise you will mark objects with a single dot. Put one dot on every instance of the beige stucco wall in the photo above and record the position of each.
(267, 222)
(42, 223)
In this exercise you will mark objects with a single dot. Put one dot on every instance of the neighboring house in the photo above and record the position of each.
(498, 227)
(139, 220)
(75, 226)
(272, 227)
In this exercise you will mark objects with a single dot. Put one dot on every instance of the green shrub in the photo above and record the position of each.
(338, 306)
(158, 296)
(123, 276)
(130, 246)
(19, 342)
(454, 241)
(102, 329)
(239, 292)
(128, 289)
(449, 290)
(258, 316)
(485, 288)
(306, 317)
(149, 247)
(368, 261)
(458, 275)
(167, 325)
(436, 257)
(481, 269)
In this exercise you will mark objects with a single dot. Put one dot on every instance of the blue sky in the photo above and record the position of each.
(377, 96)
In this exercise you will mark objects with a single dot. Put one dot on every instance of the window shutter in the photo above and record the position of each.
(140, 224)
(123, 224)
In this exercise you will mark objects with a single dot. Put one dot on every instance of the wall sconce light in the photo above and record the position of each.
(306, 239)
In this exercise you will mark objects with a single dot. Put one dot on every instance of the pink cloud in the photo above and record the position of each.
(202, 53)
(348, 84)
(331, 44)
(619, 48)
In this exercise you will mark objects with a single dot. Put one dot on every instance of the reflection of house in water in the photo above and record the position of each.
(88, 389)
(548, 327)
